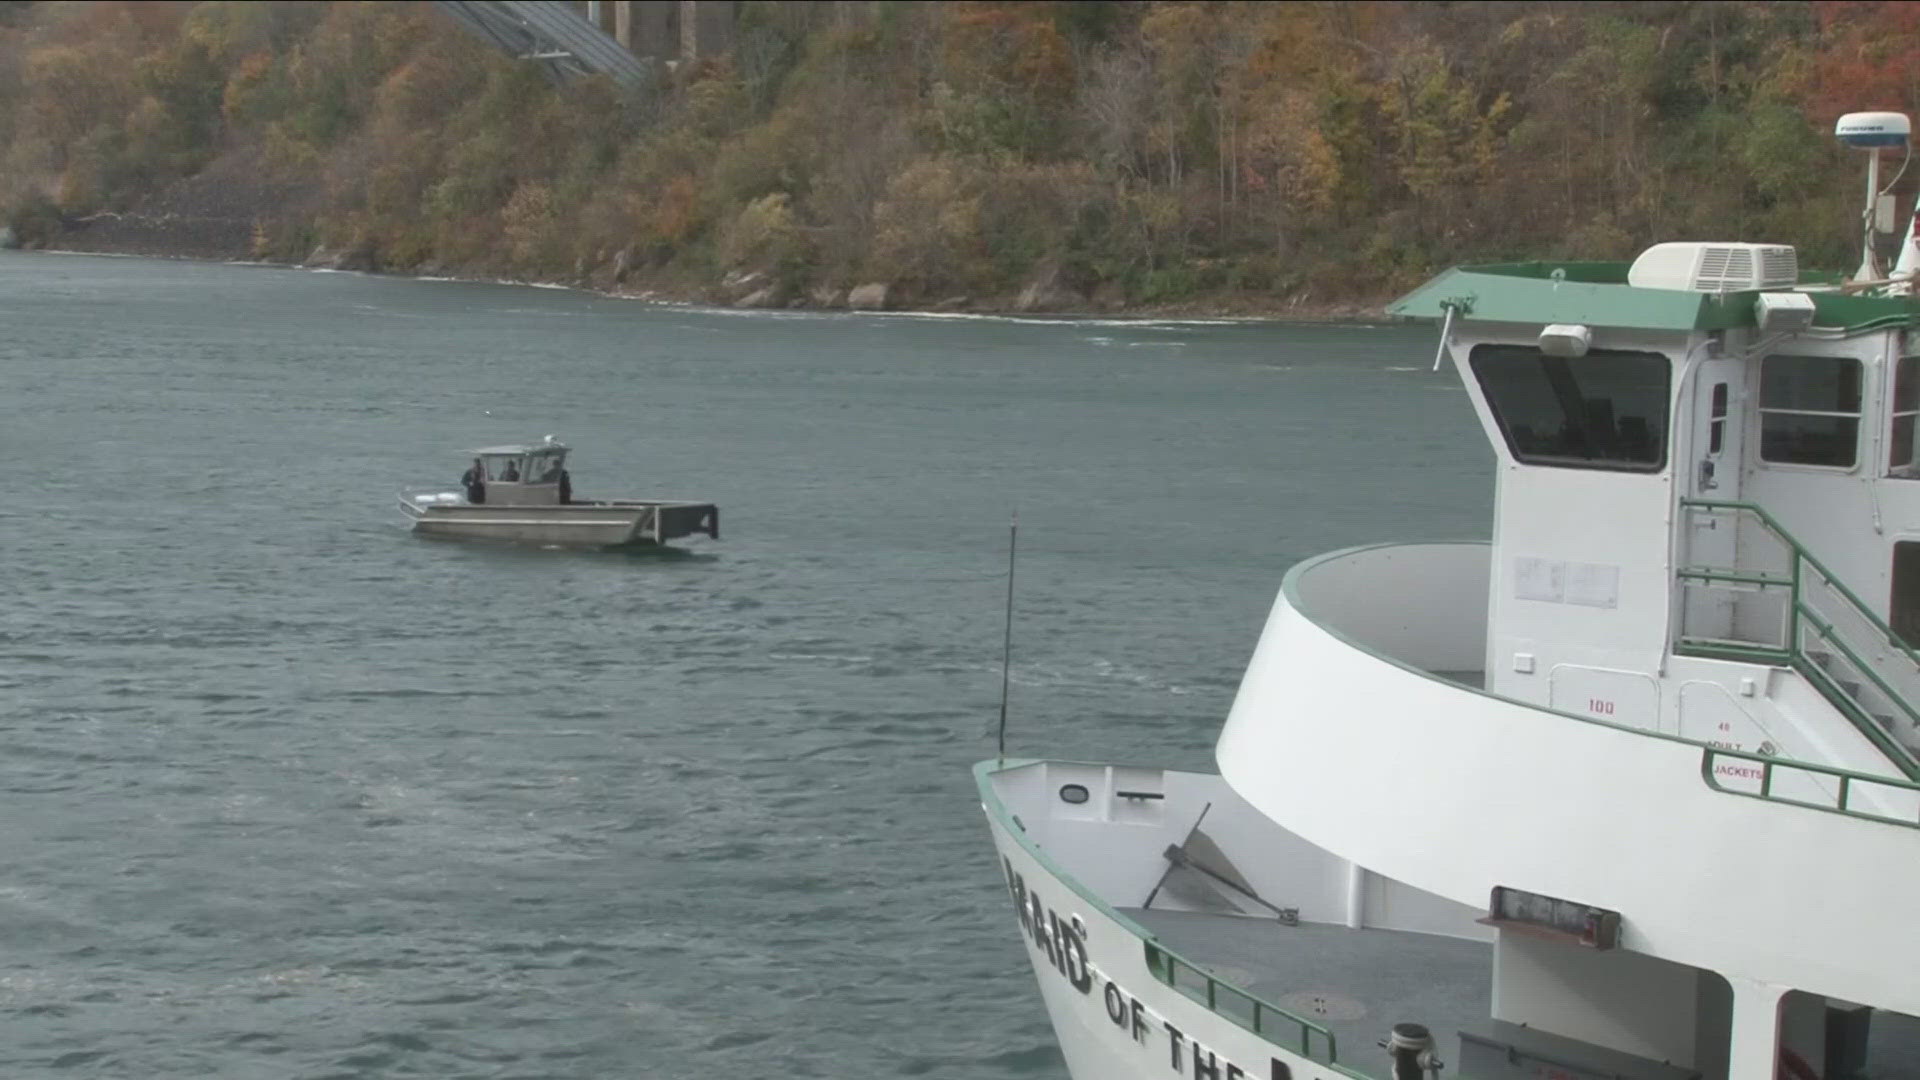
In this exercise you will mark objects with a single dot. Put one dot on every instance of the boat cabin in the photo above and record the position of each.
(1707, 528)
(524, 475)
(1708, 488)
(1706, 475)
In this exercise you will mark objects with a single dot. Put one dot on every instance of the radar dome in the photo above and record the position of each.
(1872, 130)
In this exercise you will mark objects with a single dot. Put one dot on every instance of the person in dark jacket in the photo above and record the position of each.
(566, 488)
(475, 481)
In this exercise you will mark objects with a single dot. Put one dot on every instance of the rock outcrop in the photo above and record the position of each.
(1047, 293)
(358, 258)
(871, 297)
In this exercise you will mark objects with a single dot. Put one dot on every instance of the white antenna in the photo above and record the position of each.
(1872, 132)
(1006, 653)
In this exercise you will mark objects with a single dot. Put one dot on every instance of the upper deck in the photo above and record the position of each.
(1356, 728)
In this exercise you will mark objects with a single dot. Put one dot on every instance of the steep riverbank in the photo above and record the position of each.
(228, 211)
(1139, 157)
(214, 240)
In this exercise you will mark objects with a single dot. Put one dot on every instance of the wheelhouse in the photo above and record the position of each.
(1693, 472)
(523, 475)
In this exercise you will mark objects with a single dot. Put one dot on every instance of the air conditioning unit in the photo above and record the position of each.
(1699, 267)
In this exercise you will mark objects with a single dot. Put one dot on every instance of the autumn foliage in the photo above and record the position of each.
(1117, 153)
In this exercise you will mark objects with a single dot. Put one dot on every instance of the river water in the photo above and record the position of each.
(288, 792)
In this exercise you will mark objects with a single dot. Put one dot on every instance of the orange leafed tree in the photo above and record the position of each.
(1869, 58)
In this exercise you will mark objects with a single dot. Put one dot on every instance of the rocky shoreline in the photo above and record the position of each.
(217, 215)
(211, 241)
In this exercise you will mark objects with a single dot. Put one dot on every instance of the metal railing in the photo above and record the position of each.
(1820, 787)
(1263, 1018)
(1751, 591)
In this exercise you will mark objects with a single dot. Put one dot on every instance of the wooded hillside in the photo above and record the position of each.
(1084, 154)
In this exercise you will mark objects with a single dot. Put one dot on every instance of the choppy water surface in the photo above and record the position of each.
(289, 793)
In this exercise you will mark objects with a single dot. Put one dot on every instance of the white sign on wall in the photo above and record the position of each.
(1556, 581)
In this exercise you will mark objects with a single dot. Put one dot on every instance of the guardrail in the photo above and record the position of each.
(1250, 1012)
(1840, 787)
(1823, 630)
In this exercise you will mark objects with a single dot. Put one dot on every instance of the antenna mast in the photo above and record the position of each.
(1873, 131)
(1006, 650)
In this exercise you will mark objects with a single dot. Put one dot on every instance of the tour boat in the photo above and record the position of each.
(1627, 792)
(523, 494)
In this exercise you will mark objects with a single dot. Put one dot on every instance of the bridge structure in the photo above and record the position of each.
(622, 39)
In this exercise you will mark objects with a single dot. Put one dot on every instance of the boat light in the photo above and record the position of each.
(1783, 312)
(1564, 339)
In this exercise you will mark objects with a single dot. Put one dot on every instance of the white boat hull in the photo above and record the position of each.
(585, 524)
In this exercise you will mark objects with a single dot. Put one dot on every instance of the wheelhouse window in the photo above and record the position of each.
(1903, 457)
(504, 468)
(1604, 410)
(1810, 410)
(543, 468)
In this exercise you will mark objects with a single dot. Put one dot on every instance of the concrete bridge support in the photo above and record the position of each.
(682, 30)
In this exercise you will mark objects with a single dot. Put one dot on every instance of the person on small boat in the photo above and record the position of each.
(566, 488)
(510, 472)
(475, 481)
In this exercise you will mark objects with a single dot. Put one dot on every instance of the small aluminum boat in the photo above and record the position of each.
(523, 494)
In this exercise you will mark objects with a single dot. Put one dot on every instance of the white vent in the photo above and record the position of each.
(1781, 264)
(1698, 267)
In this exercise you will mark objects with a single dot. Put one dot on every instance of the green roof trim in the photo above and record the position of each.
(1859, 314)
(1597, 294)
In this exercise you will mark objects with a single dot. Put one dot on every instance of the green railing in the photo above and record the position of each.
(1820, 787)
(1753, 592)
(1264, 1019)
